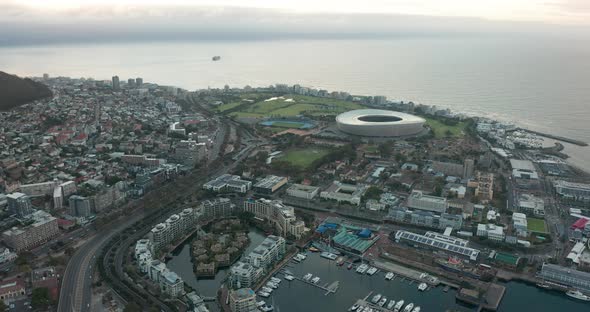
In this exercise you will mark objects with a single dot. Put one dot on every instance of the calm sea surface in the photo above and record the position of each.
(539, 83)
(296, 296)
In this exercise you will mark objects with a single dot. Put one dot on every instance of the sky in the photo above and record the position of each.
(47, 21)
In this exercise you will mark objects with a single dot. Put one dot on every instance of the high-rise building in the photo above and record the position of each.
(468, 166)
(138, 82)
(116, 83)
(130, 83)
(80, 206)
(19, 204)
(217, 208)
(242, 300)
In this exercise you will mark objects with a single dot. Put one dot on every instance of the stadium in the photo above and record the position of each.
(379, 123)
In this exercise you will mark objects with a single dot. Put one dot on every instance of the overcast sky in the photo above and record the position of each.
(50, 21)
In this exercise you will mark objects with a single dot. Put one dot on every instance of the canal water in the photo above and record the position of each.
(297, 296)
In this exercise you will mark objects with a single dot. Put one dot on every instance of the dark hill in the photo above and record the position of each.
(16, 91)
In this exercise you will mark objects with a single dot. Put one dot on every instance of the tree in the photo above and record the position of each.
(132, 307)
(41, 299)
(385, 149)
(372, 192)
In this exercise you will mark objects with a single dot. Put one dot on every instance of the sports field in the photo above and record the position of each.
(286, 106)
(303, 158)
(536, 225)
(440, 129)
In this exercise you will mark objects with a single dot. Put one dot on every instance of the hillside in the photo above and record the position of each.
(16, 91)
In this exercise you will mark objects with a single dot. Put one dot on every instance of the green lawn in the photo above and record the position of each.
(536, 225)
(289, 105)
(303, 158)
(288, 125)
(440, 129)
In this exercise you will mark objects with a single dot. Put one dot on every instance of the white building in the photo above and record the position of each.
(303, 191)
(342, 192)
(531, 205)
(242, 300)
(491, 231)
(275, 212)
(520, 224)
(417, 200)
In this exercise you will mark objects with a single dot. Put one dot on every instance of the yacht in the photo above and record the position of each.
(416, 309)
(272, 285)
(266, 308)
(289, 277)
(354, 307)
(349, 266)
(362, 268)
(267, 289)
(296, 259)
(545, 286)
(372, 270)
(302, 256)
(328, 255)
(409, 307)
(376, 298)
(263, 294)
(399, 306)
(315, 280)
(260, 303)
(389, 276)
(391, 304)
(577, 295)
(422, 286)
(383, 301)
(307, 276)
(275, 280)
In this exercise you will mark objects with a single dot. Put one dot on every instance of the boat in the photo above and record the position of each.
(307, 276)
(313, 249)
(302, 256)
(376, 298)
(289, 277)
(263, 294)
(382, 302)
(391, 304)
(372, 270)
(354, 307)
(389, 276)
(267, 289)
(216, 58)
(275, 280)
(409, 307)
(266, 308)
(340, 262)
(260, 303)
(362, 268)
(446, 289)
(272, 285)
(543, 285)
(315, 280)
(399, 305)
(349, 266)
(576, 294)
(296, 259)
(416, 309)
(422, 286)
(328, 255)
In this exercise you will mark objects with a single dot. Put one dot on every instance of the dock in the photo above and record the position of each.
(407, 273)
(558, 138)
(328, 288)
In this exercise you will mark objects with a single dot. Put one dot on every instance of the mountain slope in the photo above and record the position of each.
(16, 91)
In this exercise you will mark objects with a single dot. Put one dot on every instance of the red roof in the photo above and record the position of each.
(81, 136)
(580, 224)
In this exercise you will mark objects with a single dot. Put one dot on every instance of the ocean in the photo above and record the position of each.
(540, 83)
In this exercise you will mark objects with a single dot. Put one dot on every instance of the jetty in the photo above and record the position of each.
(557, 137)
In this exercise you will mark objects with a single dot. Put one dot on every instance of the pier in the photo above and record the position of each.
(408, 273)
(558, 138)
(328, 288)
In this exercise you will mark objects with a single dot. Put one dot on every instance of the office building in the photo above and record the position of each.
(43, 229)
(566, 276)
(130, 83)
(572, 190)
(342, 192)
(281, 216)
(425, 218)
(19, 204)
(417, 200)
(531, 205)
(217, 208)
(229, 183)
(303, 191)
(491, 231)
(270, 184)
(242, 300)
(138, 82)
(80, 206)
(520, 224)
(434, 241)
(116, 83)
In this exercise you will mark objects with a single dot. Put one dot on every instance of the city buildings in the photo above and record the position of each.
(572, 190)
(491, 231)
(6, 255)
(12, 289)
(417, 200)
(19, 204)
(80, 206)
(270, 184)
(343, 192)
(174, 227)
(43, 228)
(189, 152)
(425, 218)
(531, 205)
(242, 300)
(217, 208)
(281, 216)
(520, 224)
(46, 277)
(566, 276)
(303, 191)
(243, 274)
(247, 272)
(116, 83)
(523, 169)
(435, 241)
(171, 284)
(228, 182)
(484, 188)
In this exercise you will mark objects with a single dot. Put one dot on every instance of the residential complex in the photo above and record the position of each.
(174, 227)
(217, 208)
(343, 192)
(242, 300)
(43, 228)
(275, 212)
